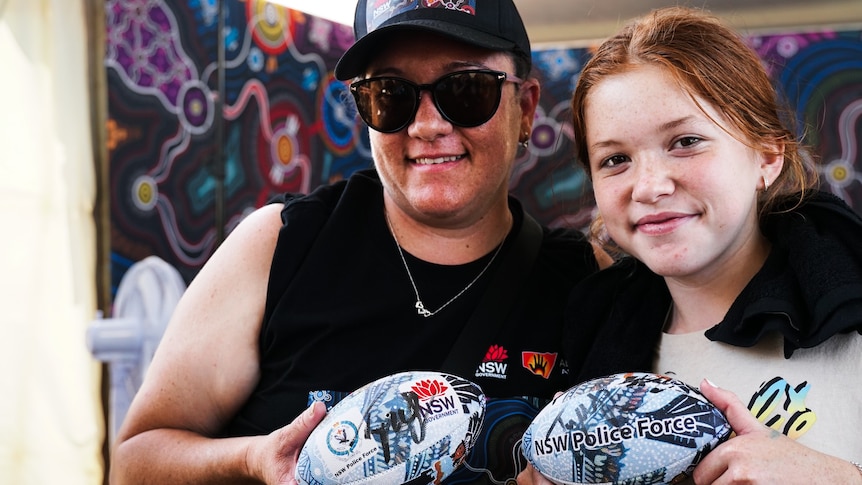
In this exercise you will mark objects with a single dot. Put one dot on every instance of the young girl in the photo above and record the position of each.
(735, 268)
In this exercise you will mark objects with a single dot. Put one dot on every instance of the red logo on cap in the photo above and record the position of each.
(466, 6)
(380, 11)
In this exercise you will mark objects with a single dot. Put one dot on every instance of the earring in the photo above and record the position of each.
(525, 142)
(765, 183)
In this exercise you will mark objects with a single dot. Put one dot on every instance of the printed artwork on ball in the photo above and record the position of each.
(411, 427)
(624, 429)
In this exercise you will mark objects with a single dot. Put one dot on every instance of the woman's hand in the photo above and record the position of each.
(274, 456)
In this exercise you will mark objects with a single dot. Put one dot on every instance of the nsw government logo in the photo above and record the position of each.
(494, 364)
(436, 400)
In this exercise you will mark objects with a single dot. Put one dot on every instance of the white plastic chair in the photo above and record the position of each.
(145, 300)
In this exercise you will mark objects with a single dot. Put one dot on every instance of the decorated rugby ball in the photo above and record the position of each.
(624, 429)
(411, 427)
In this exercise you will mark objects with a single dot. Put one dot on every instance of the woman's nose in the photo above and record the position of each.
(653, 180)
(428, 123)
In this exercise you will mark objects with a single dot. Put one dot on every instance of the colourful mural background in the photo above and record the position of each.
(288, 125)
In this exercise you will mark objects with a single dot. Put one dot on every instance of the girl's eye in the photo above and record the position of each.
(614, 161)
(687, 141)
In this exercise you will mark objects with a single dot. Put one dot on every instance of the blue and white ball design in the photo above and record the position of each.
(623, 429)
(412, 427)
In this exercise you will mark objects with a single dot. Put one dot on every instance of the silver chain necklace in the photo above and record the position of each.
(420, 307)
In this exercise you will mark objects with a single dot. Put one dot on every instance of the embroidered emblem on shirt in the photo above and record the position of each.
(540, 364)
(494, 364)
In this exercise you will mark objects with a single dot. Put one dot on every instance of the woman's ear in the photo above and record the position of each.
(771, 162)
(529, 97)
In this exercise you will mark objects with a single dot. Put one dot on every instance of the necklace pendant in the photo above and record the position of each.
(420, 309)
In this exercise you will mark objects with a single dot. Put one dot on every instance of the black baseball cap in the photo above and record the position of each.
(492, 24)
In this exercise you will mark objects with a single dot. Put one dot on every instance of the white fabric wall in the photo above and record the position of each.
(51, 426)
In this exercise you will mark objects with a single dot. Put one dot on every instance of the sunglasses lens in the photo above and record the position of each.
(385, 104)
(468, 98)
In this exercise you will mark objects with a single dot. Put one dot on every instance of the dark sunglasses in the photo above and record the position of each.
(464, 98)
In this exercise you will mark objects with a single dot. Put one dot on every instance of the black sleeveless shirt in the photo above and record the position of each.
(340, 313)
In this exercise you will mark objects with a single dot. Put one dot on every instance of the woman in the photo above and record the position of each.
(316, 295)
(734, 267)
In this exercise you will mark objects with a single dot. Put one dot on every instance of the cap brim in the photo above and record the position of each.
(355, 60)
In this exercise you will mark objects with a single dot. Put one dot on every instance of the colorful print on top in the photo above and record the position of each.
(781, 407)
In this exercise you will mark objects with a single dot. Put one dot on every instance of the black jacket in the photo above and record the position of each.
(809, 289)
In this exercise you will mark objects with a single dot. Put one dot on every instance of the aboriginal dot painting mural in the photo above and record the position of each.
(285, 123)
(821, 76)
(547, 177)
(188, 159)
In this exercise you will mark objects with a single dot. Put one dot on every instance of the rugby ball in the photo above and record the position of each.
(411, 427)
(624, 428)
